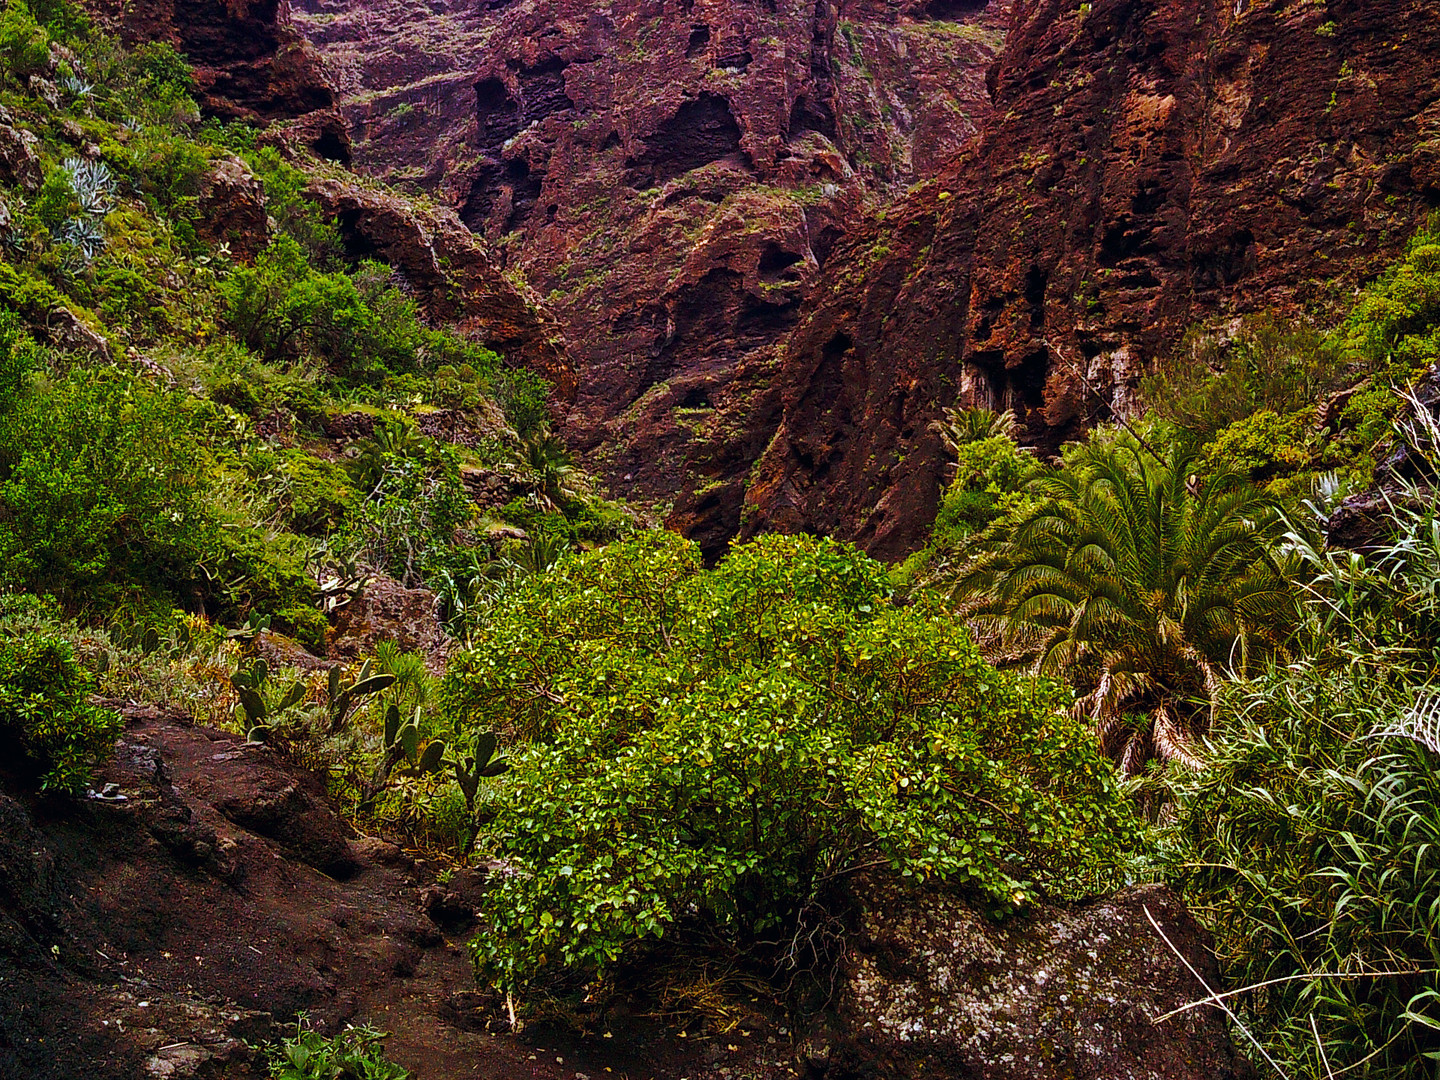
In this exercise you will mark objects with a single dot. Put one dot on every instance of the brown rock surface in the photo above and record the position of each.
(249, 62)
(670, 175)
(933, 988)
(386, 610)
(155, 931)
(1150, 163)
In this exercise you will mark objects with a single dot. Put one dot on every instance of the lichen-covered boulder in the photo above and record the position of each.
(385, 610)
(935, 988)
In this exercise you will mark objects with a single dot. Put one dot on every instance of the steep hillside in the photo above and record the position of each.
(670, 176)
(1148, 165)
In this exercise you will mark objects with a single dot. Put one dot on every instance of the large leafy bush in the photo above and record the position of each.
(718, 752)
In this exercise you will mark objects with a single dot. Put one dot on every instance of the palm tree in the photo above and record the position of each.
(1141, 583)
(962, 426)
(558, 480)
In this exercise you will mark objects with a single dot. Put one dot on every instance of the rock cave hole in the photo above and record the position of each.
(497, 114)
(952, 10)
(775, 260)
(701, 131)
(699, 38)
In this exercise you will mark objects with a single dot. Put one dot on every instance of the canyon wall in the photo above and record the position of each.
(1149, 164)
(671, 176)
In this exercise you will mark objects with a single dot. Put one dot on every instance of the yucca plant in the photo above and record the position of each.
(1141, 583)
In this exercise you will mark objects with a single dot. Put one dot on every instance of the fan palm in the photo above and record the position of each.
(962, 426)
(1139, 582)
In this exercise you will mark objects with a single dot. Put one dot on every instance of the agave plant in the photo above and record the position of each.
(77, 87)
(94, 185)
(85, 237)
(1141, 583)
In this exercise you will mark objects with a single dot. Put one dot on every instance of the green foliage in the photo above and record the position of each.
(357, 1053)
(715, 752)
(18, 357)
(102, 492)
(1209, 383)
(1310, 847)
(1141, 582)
(988, 472)
(45, 711)
(361, 327)
(24, 43)
(1261, 445)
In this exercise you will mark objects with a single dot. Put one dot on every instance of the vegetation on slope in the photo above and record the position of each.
(713, 760)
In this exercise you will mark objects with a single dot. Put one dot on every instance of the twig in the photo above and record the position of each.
(1321, 1047)
(1214, 996)
(1079, 374)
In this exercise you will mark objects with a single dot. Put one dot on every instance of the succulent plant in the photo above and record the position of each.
(77, 87)
(257, 708)
(84, 235)
(94, 185)
(342, 700)
(402, 743)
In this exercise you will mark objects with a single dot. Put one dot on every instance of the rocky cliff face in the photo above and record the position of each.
(249, 61)
(671, 175)
(1149, 163)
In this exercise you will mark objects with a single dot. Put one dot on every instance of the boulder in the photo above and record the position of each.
(385, 610)
(232, 208)
(933, 987)
(19, 164)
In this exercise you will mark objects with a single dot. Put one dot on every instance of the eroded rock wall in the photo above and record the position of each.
(1149, 163)
(671, 176)
(250, 63)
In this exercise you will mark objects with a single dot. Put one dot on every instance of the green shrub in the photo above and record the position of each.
(318, 493)
(1207, 384)
(357, 1053)
(102, 492)
(24, 44)
(18, 354)
(1261, 446)
(45, 711)
(305, 624)
(361, 327)
(716, 752)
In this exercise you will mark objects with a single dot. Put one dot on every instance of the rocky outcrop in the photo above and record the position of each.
(450, 271)
(385, 610)
(1149, 163)
(670, 175)
(232, 208)
(249, 62)
(933, 987)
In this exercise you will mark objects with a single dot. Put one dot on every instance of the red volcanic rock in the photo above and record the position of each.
(450, 271)
(1150, 163)
(249, 63)
(232, 207)
(670, 175)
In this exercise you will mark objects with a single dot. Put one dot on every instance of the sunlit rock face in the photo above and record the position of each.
(670, 175)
